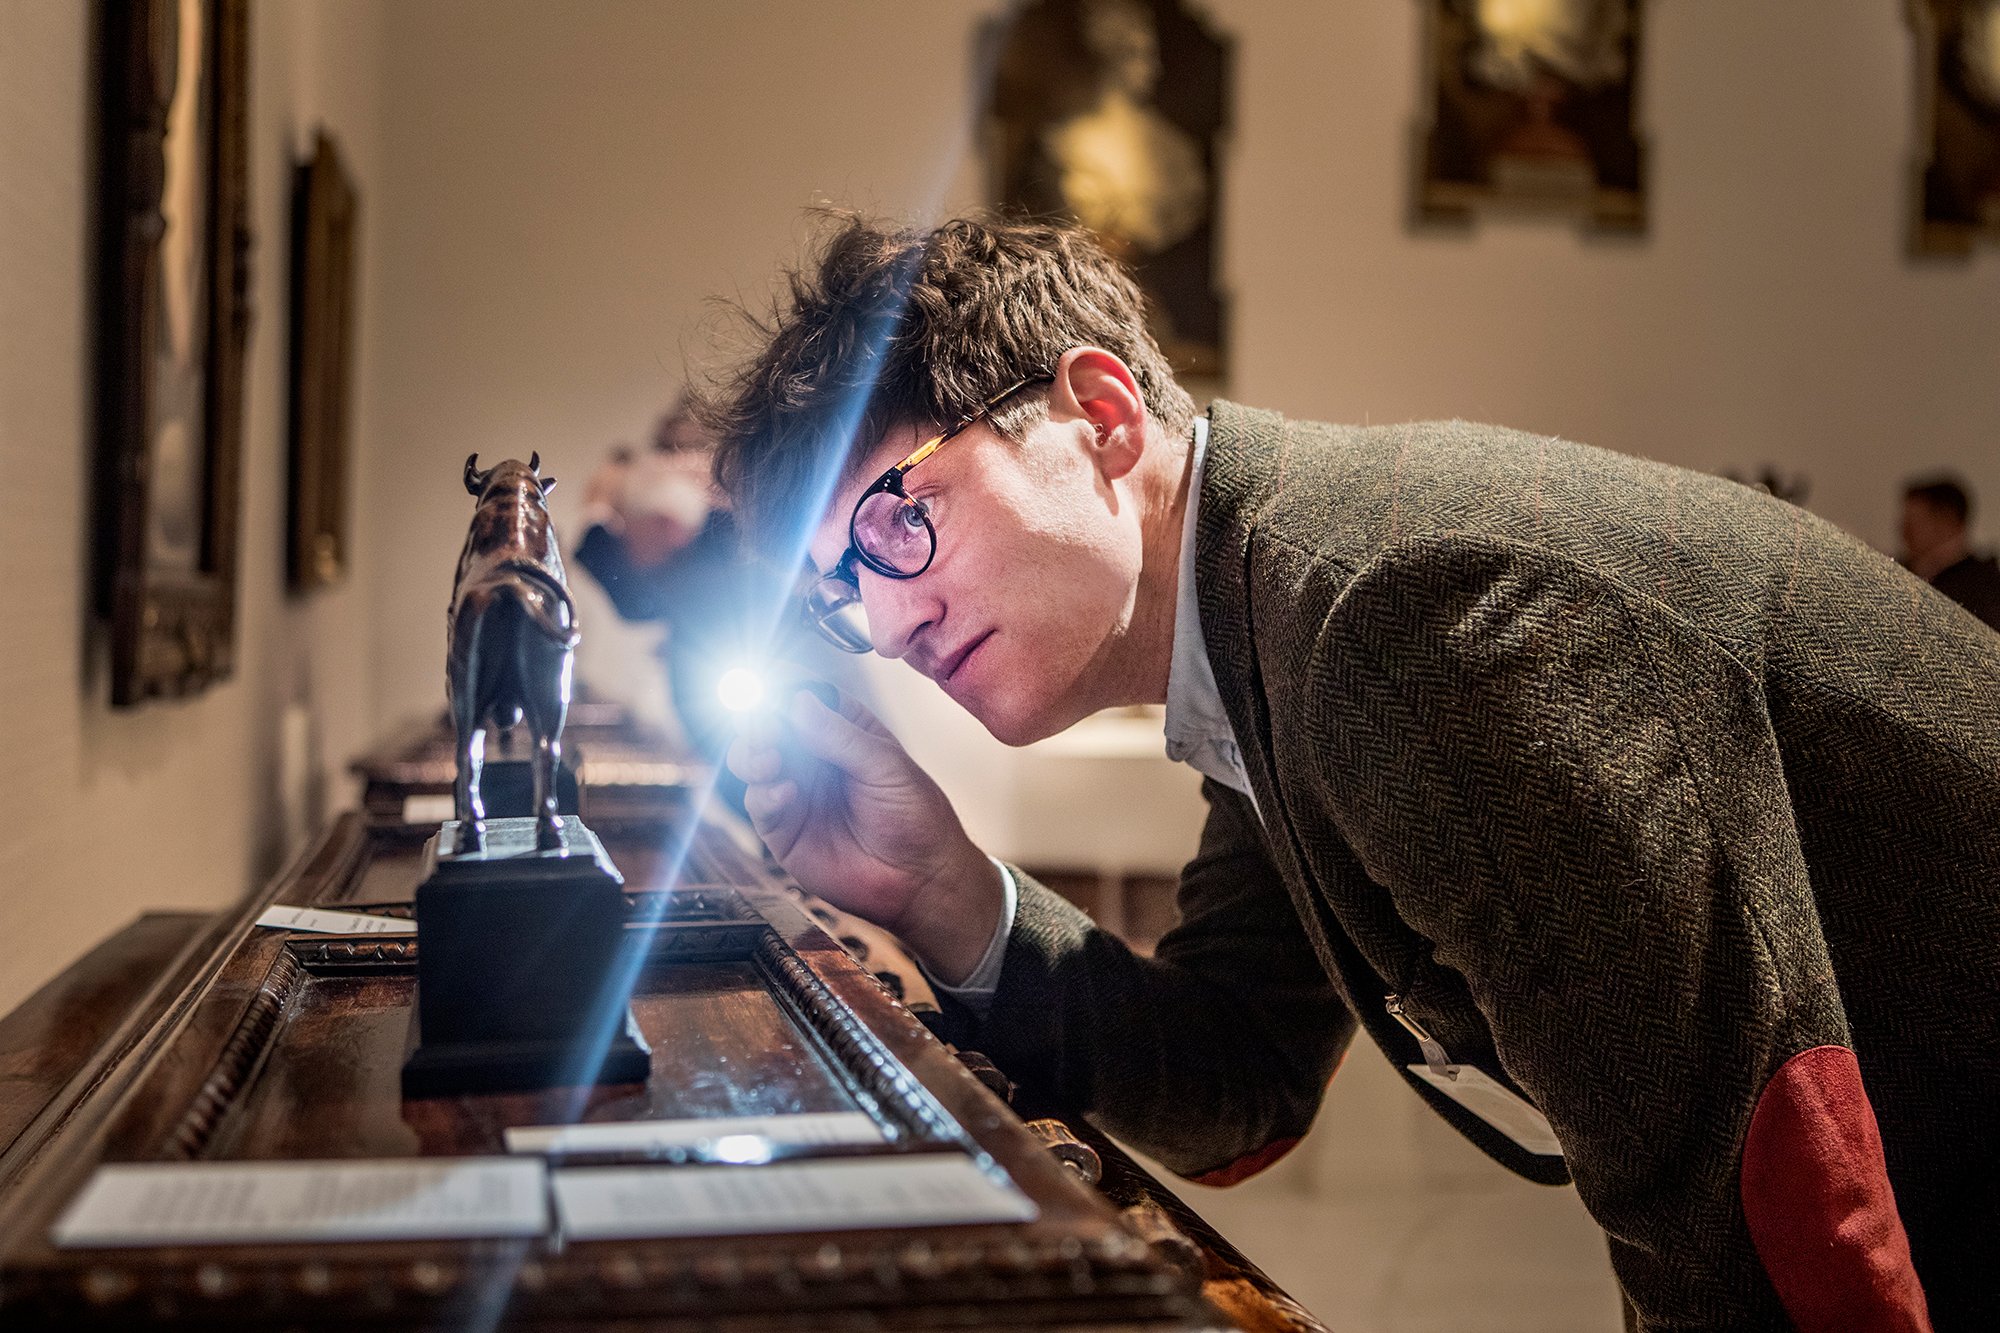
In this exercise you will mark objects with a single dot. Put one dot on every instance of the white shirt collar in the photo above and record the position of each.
(1198, 730)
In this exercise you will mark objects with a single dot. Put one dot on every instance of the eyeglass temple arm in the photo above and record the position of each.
(923, 451)
(930, 446)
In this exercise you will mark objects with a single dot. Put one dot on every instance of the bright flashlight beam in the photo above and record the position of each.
(622, 979)
(741, 690)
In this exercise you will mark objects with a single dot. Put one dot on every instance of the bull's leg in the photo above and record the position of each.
(546, 668)
(548, 824)
(467, 802)
(465, 691)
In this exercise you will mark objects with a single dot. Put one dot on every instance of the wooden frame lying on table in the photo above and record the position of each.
(280, 1046)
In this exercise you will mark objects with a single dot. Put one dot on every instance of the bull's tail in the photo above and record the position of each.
(545, 602)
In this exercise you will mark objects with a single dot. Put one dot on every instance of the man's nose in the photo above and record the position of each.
(899, 611)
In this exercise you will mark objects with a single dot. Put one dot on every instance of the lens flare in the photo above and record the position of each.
(740, 690)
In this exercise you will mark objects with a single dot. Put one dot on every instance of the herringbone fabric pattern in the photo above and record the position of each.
(1633, 783)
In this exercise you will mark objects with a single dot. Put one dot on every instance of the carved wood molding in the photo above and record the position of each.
(935, 1281)
(240, 1055)
(857, 1050)
(355, 955)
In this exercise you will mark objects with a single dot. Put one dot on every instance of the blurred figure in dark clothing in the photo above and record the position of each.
(666, 549)
(1935, 514)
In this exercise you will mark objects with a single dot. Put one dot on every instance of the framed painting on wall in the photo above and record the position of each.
(1531, 110)
(173, 323)
(1957, 192)
(323, 283)
(1109, 113)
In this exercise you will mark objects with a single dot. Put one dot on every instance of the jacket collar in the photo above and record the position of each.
(1198, 730)
(1243, 467)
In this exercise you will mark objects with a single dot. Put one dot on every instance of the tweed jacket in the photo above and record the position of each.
(1657, 801)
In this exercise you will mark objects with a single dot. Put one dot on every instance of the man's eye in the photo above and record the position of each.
(914, 513)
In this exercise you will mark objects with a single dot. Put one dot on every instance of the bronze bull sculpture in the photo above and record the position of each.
(511, 638)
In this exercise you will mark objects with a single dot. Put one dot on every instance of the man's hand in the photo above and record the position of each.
(853, 819)
(654, 505)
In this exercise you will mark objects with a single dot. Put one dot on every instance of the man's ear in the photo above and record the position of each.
(1096, 387)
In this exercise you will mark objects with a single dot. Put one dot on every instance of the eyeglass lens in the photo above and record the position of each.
(894, 533)
(834, 606)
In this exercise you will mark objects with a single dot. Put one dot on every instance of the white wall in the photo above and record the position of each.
(1771, 315)
(568, 184)
(109, 813)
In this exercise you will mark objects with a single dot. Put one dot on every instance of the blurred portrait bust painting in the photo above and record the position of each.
(1107, 112)
(1531, 109)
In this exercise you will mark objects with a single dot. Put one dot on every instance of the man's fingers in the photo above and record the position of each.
(838, 740)
(753, 761)
(775, 812)
(857, 712)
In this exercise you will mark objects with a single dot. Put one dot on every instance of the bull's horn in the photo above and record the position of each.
(474, 481)
(548, 484)
(535, 463)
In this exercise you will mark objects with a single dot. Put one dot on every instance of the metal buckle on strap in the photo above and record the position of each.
(1434, 1053)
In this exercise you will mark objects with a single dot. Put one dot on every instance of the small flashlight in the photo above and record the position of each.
(743, 690)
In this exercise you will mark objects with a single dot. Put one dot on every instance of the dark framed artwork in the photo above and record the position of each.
(323, 283)
(1957, 192)
(1531, 110)
(1110, 112)
(173, 322)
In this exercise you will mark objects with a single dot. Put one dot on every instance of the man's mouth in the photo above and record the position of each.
(950, 666)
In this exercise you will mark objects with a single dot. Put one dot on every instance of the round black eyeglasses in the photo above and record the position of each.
(890, 533)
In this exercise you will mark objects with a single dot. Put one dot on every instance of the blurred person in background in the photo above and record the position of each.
(663, 544)
(1936, 512)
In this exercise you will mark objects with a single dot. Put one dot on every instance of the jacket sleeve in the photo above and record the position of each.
(1213, 1054)
(638, 594)
(1578, 798)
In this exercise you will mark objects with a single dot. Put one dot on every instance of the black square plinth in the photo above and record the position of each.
(520, 982)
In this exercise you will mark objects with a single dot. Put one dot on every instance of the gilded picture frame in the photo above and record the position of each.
(1112, 113)
(1955, 194)
(173, 326)
(325, 213)
(1531, 111)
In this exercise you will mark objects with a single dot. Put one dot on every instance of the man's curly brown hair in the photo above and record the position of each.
(886, 327)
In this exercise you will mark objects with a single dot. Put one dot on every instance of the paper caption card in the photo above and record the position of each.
(224, 1203)
(810, 1129)
(328, 922)
(625, 1202)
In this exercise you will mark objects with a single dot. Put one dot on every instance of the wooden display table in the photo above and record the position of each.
(221, 1041)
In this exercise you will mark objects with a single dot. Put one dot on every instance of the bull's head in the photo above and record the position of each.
(476, 480)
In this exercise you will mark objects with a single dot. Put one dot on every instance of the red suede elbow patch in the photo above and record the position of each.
(1250, 1164)
(1817, 1198)
(1246, 1166)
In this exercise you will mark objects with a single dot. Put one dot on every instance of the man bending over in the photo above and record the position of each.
(1648, 824)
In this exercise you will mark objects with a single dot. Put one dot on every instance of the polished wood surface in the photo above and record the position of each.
(1234, 1285)
(62, 1029)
